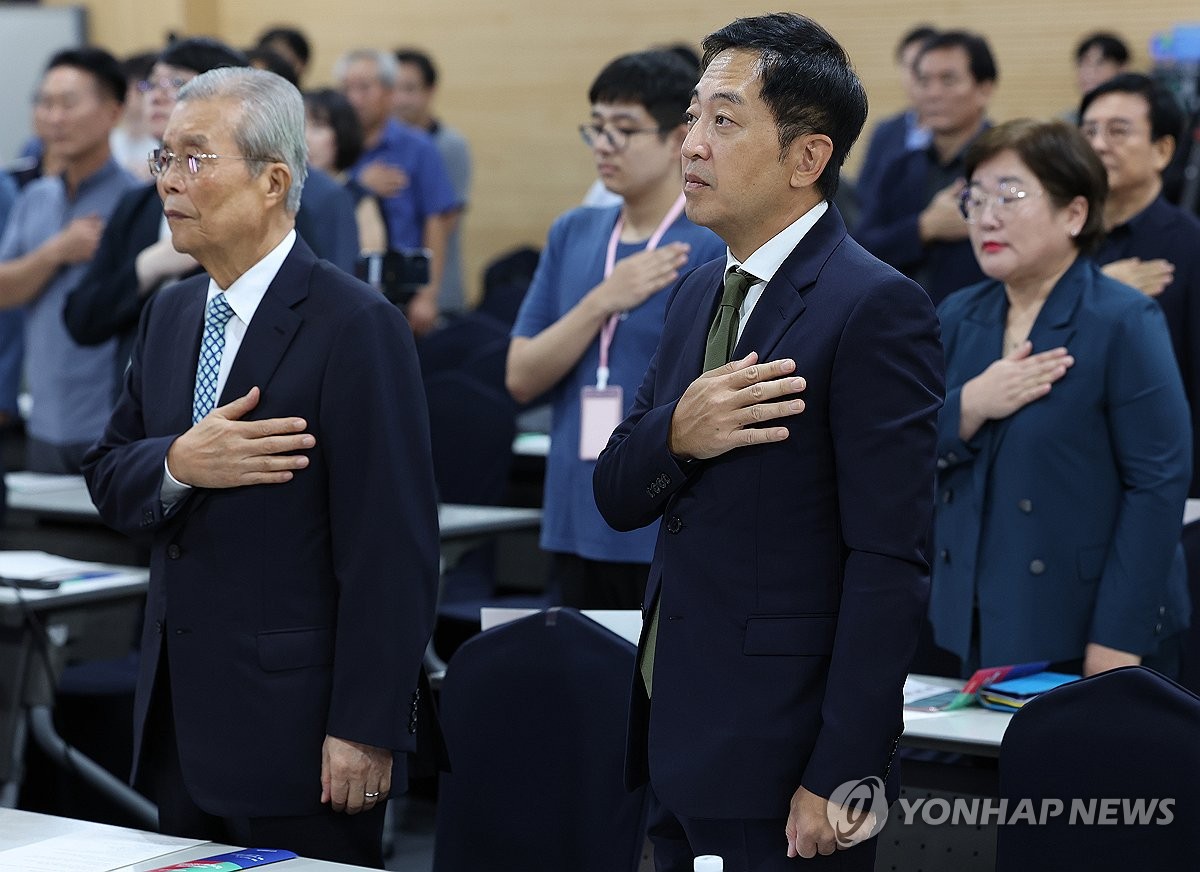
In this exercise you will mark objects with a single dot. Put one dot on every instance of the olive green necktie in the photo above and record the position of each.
(722, 336)
(718, 351)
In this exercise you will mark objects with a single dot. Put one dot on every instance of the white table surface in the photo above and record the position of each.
(21, 828)
(66, 497)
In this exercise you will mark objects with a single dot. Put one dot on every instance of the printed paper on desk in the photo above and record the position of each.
(234, 861)
(601, 410)
(39, 564)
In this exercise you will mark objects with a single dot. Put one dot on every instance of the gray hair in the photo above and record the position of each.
(386, 65)
(270, 127)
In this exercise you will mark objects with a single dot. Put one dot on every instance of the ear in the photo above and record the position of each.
(1075, 215)
(1163, 149)
(275, 182)
(808, 156)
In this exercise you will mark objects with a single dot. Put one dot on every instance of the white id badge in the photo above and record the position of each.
(600, 411)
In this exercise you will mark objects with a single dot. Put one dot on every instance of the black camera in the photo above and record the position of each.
(397, 274)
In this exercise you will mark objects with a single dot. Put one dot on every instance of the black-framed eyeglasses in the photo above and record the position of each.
(170, 84)
(616, 137)
(974, 200)
(160, 160)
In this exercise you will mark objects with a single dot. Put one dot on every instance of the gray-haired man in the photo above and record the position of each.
(271, 439)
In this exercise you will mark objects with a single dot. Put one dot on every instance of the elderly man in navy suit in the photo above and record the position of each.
(789, 577)
(272, 441)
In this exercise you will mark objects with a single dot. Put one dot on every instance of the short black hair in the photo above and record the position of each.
(1166, 115)
(922, 33)
(1112, 47)
(808, 82)
(420, 60)
(201, 54)
(661, 81)
(102, 66)
(273, 62)
(137, 67)
(684, 51)
(979, 54)
(295, 40)
(330, 107)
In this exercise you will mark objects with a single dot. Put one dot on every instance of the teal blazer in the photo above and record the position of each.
(1062, 521)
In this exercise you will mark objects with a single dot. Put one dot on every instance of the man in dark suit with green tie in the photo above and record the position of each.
(785, 433)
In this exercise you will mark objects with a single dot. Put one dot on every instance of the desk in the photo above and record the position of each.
(973, 730)
(22, 828)
(65, 498)
(41, 631)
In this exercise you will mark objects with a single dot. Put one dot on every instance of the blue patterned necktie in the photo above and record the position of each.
(209, 366)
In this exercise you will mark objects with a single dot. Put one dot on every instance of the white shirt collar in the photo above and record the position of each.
(766, 261)
(250, 287)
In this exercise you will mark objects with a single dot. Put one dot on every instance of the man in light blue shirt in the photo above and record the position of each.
(52, 234)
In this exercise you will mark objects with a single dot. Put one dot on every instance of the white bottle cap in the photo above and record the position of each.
(708, 863)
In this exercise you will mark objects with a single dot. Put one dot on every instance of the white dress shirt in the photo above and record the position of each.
(766, 261)
(243, 296)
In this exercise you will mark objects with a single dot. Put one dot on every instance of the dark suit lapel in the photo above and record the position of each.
(1055, 324)
(187, 325)
(782, 300)
(273, 327)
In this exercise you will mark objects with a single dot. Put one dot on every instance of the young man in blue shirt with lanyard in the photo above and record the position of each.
(591, 319)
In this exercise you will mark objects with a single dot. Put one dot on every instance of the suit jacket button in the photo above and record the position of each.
(173, 551)
(1037, 567)
(158, 627)
(944, 555)
(951, 457)
(942, 463)
(1157, 629)
(1025, 506)
(948, 495)
(674, 525)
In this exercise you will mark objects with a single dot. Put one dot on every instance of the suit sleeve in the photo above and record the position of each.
(886, 389)
(124, 470)
(106, 300)
(383, 516)
(1149, 424)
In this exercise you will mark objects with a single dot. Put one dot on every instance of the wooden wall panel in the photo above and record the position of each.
(515, 73)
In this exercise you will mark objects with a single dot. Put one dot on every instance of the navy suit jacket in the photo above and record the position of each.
(1063, 519)
(889, 230)
(1164, 230)
(288, 611)
(889, 140)
(791, 577)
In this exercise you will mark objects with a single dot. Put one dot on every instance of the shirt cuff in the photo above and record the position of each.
(172, 490)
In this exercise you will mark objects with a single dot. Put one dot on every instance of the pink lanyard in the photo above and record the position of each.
(610, 260)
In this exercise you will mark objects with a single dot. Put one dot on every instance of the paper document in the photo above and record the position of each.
(90, 850)
(39, 564)
(43, 482)
(915, 690)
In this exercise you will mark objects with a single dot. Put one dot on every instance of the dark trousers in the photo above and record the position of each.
(745, 846)
(599, 584)
(353, 839)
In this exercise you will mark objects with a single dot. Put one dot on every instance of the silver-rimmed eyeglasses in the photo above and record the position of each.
(160, 160)
(1006, 197)
(617, 137)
